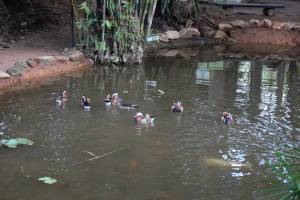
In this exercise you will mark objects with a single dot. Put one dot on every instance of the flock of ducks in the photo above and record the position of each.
(139, 118)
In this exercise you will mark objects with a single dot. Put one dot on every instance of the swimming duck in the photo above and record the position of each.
(177, 107)
(58, 100)
(107, 100)
(62, 98)
(65, 95)
(116, 100)
(86, 103)
(140, 119)
(227, 118)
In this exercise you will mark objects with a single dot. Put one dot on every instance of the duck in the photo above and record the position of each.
(227, 118)
(107, 100)
(59, 100)
(62, 98)
(65, 95)
(116, 100)
(177, 107)
(147, 120)
(86, 103)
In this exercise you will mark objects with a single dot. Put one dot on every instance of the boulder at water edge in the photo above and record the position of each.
(76, 56)
(267, 23)
(225, 27)
(289, 26)
(189, 33)
(278, 25)
(239, 23)
(296, 28)
(207, 31)
(255, 23)
(163, 37)
(221, 35)
(4, 75)
(172, 35)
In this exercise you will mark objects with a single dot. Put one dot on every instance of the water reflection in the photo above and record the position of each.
(166, 161)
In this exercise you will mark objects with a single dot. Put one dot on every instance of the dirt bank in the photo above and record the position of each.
(50, 41)
(39, 70)
(266, 36)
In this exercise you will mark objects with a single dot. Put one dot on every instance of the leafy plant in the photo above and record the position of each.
(287, 170)
(117, 30)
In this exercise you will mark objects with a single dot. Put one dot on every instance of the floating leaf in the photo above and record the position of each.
(25, 141)
(47, 180)
(13, 143)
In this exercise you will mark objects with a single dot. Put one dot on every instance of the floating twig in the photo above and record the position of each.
(100, 156)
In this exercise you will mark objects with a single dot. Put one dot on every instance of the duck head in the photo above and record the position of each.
(65, 94)
(148, 118)
(138, 117)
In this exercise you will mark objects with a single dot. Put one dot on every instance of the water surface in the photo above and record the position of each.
(166, 161)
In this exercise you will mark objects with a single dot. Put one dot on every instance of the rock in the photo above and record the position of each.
(296, 28)
(4, 75)
(32, 62)
(166, 27)
(289, 26)
(221, 35)
(163, 37)
(76, 56)
(189, 33)
(267, 23)
(239, 23)
(168, 53)
(255, 23)
(188, 23)
(225, 27)
(172, 35)
(278, 25)
(188, 53)
(45, 60)
(207, 31)
(231, 40)
(18, 69)
(62, 59)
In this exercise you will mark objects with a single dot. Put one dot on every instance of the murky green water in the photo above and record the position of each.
(167, 161)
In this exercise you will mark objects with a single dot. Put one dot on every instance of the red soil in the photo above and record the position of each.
(47, 42)
(266, 36)
(39, 74)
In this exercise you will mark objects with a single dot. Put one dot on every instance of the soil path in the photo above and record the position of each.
(51, 41)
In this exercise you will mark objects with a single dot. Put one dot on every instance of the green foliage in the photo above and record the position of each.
(85, 8)
(112, 32)
(100, 46)
(166, 6)
(287, 171)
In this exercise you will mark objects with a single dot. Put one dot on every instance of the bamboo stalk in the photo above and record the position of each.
(150, 17)
(144, 15)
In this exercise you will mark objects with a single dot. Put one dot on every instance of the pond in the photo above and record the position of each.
(167, 161)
